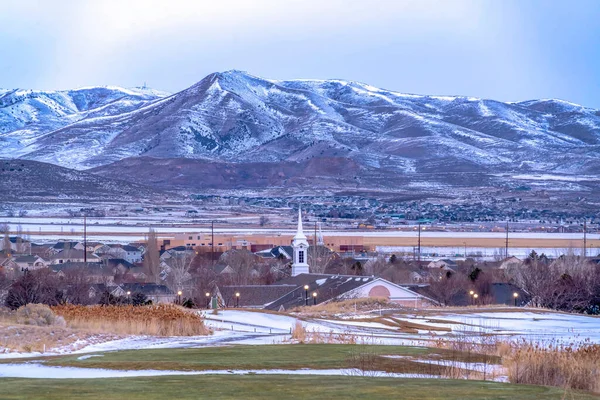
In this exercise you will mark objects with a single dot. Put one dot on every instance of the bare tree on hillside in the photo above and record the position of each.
(152, 257)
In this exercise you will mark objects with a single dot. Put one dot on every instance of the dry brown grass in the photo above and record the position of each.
(351, 306)
(555, 364)
(19, 334)
(29, 338)
(156, 320)
(302, 335)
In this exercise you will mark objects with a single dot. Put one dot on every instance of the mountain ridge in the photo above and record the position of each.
(234, 116)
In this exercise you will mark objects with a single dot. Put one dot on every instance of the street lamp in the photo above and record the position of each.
(128, 298)
(179, 293)
(315, 298)
(465, 243)
(207, 300)
(471, 293)
(515, 295)
(305, 295)
(475, 296)
(237, 299)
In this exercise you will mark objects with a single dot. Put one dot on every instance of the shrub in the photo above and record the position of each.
(38, 315)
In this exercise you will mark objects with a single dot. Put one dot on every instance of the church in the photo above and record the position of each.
(305, 288)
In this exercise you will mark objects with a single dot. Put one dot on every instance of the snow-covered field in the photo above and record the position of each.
(259, 328)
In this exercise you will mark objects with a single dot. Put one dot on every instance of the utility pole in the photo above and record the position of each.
(212, 242)
(585, 238)
(506, 249)
(85, 238)
(419, 243)
(315, 245)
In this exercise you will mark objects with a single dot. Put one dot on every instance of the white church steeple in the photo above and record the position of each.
(300, 245)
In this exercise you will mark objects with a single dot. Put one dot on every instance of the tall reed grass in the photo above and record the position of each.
(567, 366)
(156, 320)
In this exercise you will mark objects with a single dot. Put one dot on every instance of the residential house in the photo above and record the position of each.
(156, 293)
(123, 267)
(511, 262)
(73, 255)
(96, 272)
(443, 264)
(30, 262)
(278, 252)
(18, 245)
(66, 245)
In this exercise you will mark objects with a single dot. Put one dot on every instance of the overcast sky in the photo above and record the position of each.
(502, 49)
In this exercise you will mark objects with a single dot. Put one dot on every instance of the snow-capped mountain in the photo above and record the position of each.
(25, 115)
(235, 117)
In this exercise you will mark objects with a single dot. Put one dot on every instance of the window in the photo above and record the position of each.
(301, 257)
(198, 237)
(191, 238)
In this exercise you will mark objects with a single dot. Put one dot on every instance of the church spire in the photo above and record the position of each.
(299, 232)
(300, 246)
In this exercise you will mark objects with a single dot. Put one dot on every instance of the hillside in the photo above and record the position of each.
(27, 181)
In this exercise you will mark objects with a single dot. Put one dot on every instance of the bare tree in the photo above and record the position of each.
(6, 246)
(20, 247)
(242, 262)
(178, 270)
(77, 286)
(319, 258)
(569, 283)
(263, 220)
(152, 257)
(445, 286)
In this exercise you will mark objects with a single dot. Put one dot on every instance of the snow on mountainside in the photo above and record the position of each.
(25, 115)
(235, 117)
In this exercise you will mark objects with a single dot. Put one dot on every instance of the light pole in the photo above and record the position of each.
(207, 300)
(179, 293)
(237, 299)
(475, 296)
(305, 295)
(515, 295)
(465, 243)
(128, 297)
(315, 298)
(471, 293)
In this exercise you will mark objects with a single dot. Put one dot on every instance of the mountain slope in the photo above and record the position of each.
(235, 117)
(24, 181)
(26, 115)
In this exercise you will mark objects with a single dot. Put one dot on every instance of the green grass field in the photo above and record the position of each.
(273, 387)
(252, 386)
(314, 356)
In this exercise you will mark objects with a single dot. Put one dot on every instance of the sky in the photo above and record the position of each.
(508, 50)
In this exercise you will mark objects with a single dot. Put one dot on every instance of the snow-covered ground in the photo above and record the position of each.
(35, 370)
(530, 325)
(259, 328)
